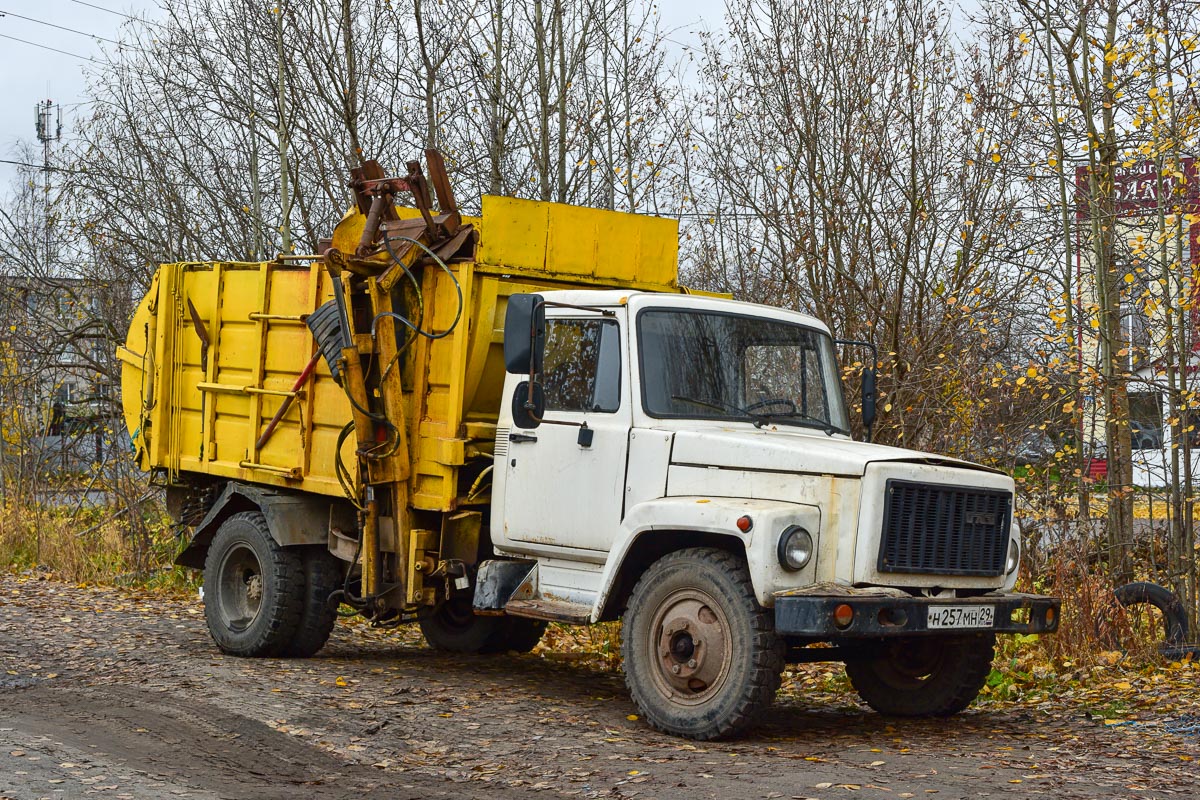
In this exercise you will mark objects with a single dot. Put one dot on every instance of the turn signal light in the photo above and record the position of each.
(1049, 616)
(843, 615)
(744, 524)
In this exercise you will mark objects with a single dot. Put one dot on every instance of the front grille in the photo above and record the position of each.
(944, 530)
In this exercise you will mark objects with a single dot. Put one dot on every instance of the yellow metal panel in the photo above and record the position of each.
(650, 243)
(137, 371)
(154, 429)
(573, 243)
(248, 359)
(514, 232)
(572, 238)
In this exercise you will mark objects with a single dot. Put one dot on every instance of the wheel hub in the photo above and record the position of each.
(241, 587)
(692, 646)
(254, 588)
(682, 646)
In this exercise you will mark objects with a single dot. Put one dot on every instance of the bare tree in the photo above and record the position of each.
(853, 176)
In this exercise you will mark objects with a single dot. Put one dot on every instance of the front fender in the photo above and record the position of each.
(717, 515)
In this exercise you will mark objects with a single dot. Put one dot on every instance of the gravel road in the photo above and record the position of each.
(110, 694)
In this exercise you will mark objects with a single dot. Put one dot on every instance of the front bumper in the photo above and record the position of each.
(881, 615)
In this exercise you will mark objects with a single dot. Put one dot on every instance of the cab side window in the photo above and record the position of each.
(582, 368)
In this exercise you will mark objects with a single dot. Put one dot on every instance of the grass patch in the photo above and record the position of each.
(93, 546)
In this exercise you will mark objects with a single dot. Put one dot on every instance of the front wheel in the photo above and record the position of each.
(935, 676)
(701, 656)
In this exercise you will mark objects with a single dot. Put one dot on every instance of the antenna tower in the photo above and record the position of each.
(49, 131)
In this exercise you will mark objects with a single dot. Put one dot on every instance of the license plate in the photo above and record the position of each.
(961, 617)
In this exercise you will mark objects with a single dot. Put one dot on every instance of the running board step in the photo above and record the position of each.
(553, 610)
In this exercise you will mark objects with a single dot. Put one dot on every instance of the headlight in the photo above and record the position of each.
(795, 548)
(1014, 557)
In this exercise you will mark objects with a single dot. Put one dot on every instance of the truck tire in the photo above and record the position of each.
(517, 635)
(253, 588)
(934, 676)
(1174, 613)
(701, 656)
(322, 577)
(453, 626)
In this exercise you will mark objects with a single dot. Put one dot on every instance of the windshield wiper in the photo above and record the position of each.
(760, 418)
(799, 418)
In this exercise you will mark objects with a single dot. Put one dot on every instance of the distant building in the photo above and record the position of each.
(55, 398)
(1158, 260)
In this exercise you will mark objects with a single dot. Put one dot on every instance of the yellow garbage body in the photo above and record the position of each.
(214, 349)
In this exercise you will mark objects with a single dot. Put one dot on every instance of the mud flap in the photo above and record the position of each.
(293, 519)
(501, 580)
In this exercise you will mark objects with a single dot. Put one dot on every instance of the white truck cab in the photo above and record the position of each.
(686, 462)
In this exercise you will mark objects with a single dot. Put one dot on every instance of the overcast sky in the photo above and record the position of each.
(32, 70)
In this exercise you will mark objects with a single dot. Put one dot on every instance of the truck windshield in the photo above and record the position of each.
(713, 365)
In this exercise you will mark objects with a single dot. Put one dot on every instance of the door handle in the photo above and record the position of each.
(517, 438)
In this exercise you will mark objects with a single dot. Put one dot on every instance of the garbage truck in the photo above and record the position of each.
(485, 425)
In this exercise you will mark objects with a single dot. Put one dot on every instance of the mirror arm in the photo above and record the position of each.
(869, 345)
(874, 364)
(530, 407)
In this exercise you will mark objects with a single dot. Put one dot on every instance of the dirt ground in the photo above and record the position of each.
(114, 695)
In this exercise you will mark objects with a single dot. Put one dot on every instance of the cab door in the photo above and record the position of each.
(564, 480)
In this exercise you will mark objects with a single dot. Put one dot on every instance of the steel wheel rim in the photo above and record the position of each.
(240, 588)
(690, 646)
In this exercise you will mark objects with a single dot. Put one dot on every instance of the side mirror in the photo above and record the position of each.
(868, 399)
(523, 415)
(524, 334)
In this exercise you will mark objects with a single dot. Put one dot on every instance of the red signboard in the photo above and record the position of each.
(1140, 194)
(1139, 190)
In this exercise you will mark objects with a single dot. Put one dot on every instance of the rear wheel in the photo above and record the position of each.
(254, 589)
(323, 575)
(454, 627)
(517, 635)
(701, 656)
(924, 676)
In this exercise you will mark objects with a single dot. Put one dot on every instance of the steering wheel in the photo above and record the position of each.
(774, 401)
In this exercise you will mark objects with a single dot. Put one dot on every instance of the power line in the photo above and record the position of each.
(60, 27)
(40, 166)
(85, 172)
(47, 47)
(102, 8)
(117, 13)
